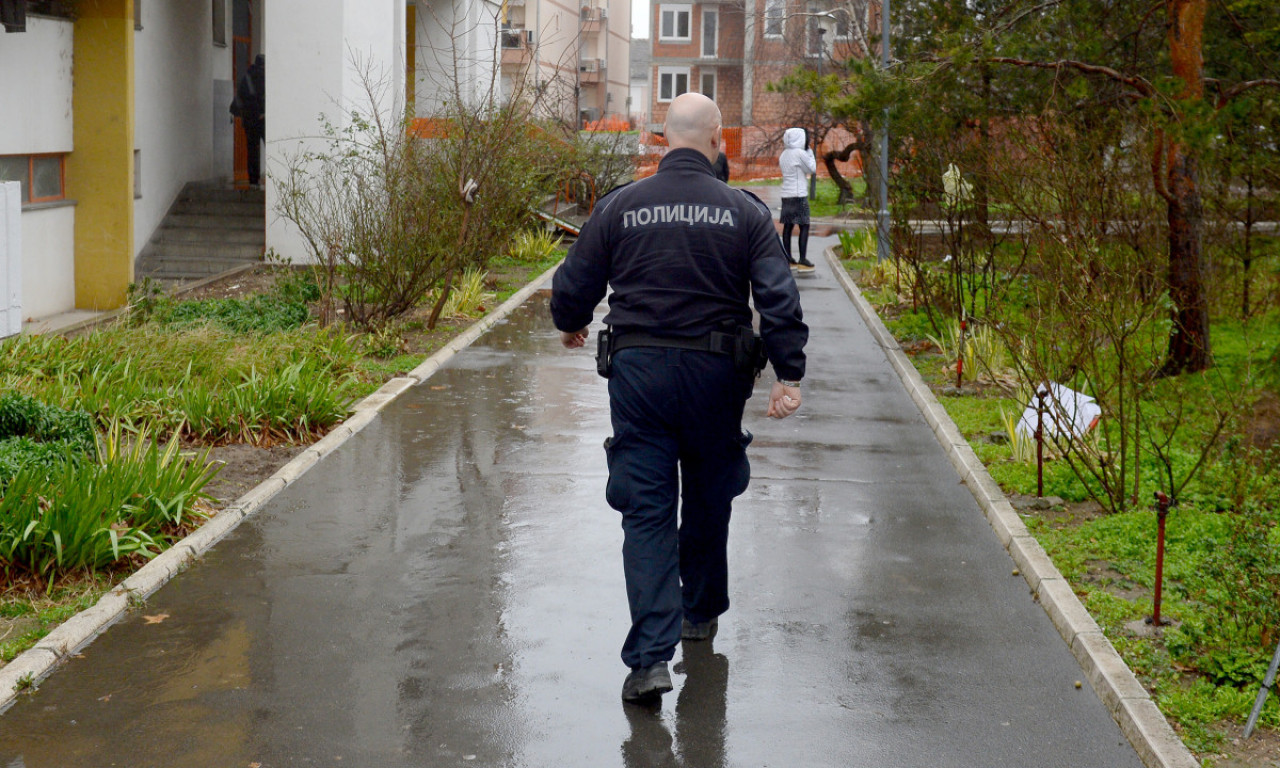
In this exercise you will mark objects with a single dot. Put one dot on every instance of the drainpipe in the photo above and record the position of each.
(748, 60)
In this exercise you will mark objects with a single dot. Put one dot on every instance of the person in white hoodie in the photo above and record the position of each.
(796, 162)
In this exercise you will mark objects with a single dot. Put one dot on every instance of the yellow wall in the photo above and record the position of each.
(100, 168)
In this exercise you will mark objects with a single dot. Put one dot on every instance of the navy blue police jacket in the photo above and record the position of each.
(685, 254)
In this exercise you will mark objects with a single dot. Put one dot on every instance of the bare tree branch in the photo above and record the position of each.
(1226, 96)
(1137, 82)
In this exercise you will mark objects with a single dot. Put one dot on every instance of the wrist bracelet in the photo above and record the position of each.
(787, 383)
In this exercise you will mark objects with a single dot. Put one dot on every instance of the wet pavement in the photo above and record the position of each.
(446, 590)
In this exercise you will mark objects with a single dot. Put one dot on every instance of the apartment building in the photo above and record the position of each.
(123, 104)
(731, 50)
(574, 53)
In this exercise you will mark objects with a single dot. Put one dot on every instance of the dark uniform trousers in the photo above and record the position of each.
(677, 429)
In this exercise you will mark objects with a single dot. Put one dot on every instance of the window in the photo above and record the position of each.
(710, 31)
(843, 28)
(40, 175)
(675, 22)
(707, 84)
(824, 28)
(62, 9)
(220, 22)
(818, 30)
(672, 81)
(774, 17)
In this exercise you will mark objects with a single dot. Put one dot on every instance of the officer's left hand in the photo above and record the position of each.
(783, 401)
(573, 339)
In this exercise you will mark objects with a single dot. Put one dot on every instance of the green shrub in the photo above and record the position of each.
(910, 326)
(858, 244)
(468, 297)
(89, 516)
(298, 402)
(297, 287)
(25, 416)
(258, 314)
(534, 246)
(386, 341)
(1271, 371)
(18, 453)
(151, 375)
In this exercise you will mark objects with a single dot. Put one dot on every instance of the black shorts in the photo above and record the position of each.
(795, 210)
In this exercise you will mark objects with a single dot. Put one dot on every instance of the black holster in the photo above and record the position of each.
(749, 354)
(604, 353)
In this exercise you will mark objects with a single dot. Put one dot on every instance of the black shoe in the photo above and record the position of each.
(646, 686)
(702, 631)
(804, 265)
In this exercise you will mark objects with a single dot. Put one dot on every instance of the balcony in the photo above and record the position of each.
(517, 47)
(594, 19)
(592, 71)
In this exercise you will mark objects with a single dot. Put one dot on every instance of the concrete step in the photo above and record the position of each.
(214, 236)
(168, 268)
(209, 229)
(254, 222)
(198, 207)
(201, 250)
(223, 194)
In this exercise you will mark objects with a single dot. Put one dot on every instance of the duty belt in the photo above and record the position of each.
(743, 346)
(715, 341)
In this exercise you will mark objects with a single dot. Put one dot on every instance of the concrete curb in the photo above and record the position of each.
(1120, 691)
(29, 668)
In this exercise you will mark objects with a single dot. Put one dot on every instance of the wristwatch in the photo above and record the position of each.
(787, 383)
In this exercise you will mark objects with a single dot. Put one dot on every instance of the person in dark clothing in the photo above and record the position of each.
(250, 105)
(721, 168)
(684, 255)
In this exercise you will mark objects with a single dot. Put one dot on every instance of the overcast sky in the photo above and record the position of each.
(639, 18)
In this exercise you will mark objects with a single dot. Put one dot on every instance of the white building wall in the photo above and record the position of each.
(36, 119)
(10, 259)
(558, 26)
(174, 68)
(639, 96)
(35, 103)
(457, 51)
(48, 261)
(618, 55)
(315, 51)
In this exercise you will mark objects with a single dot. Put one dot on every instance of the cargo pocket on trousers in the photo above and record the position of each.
(615, 492)
(741, 473)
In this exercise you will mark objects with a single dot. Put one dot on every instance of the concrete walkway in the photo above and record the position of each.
(446, 589)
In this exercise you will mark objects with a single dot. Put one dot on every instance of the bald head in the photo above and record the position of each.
(693, 122)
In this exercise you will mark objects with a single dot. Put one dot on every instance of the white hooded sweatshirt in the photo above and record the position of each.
(795, 162)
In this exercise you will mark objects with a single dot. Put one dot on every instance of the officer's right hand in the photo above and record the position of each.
(783, 401)
(573, 339)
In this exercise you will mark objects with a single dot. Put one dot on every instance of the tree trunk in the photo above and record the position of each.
(829, 160)
(1177, 179)
(1248, 250)
(870, 164)
(981, 187)
(1189, 336)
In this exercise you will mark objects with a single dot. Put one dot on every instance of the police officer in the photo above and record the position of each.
(683, 253)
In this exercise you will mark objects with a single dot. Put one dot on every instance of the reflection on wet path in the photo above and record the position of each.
(447, 590)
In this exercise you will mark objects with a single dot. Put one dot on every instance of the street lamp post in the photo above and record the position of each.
(882, 217)
(822, 53)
